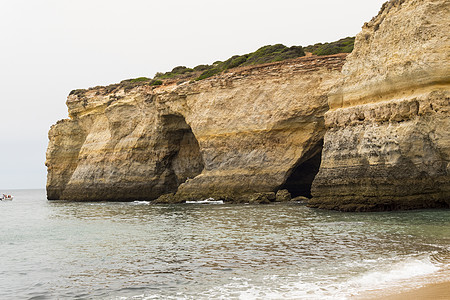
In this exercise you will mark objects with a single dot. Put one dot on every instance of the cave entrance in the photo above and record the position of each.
(300, 179)
(183, 158)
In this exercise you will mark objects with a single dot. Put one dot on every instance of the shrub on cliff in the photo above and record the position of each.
(233, 62)
(209, 73)
(279, 54)
(180, 70)
(341, 46)
(267, 54)
(202, 68)
(156, 82)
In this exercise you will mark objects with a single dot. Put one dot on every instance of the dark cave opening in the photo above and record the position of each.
(183, 157)
(299, 181)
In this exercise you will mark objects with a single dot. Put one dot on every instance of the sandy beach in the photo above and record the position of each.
(435, 291)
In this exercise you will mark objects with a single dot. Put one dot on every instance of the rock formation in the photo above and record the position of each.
(377, 126)
(229, 136)
(387, 144)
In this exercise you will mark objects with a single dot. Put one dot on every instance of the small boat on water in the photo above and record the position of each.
(6, 197)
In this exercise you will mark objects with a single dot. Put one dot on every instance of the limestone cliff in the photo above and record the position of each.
(387, 144)
(229, 136)
(378, 127)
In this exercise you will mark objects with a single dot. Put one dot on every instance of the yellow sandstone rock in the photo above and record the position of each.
(388, 141)
(225, 137)
(377, 126)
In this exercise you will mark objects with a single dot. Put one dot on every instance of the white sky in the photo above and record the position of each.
(50, 47)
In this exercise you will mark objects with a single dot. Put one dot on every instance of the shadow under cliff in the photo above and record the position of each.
(184, 159)
(301, 176)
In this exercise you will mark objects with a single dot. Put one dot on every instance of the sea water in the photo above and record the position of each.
(136, 250)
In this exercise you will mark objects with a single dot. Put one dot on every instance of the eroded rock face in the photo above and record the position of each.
(62, 155)
(253, 127)
(228, 137)
(119, 149)
(388, 139)
(379, 129)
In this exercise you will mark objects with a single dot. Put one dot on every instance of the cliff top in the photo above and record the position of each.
(264, 56)
(304, 64)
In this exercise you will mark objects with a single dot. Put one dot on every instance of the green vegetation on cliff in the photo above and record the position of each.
(266, 54)
(342, 46)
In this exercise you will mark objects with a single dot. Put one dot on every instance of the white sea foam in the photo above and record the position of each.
(275, 287)
(399, 271)
(141, 202)
(387, 275)
(206, 201)
(244, 289)
(393, 275)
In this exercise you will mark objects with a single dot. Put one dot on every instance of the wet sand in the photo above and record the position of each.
(435, 291)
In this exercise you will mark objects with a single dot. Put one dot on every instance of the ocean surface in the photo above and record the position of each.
(101, 250)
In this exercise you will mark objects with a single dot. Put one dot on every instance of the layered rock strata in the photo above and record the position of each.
(387, 144)
(376, 134)
(237, 136)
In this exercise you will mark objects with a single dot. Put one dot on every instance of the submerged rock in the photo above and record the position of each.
(259, 198)
(167, 199)
(283, 196)
(300, 199)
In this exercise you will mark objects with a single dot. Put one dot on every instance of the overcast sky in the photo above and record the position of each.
(50, 47)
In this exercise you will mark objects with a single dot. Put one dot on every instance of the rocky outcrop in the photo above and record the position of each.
(116, 147)
(236, 137)
(387, 144)
(372, 137)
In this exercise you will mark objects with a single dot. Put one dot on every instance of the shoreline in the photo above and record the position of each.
(428, 291)
(434, 291)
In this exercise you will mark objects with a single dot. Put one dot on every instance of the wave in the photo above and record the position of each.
(206, 201)
(398, 275)
(388, 275)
